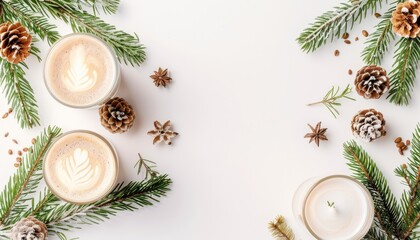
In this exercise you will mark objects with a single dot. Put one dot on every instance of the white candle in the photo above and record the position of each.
(335, 207)
(81, 71)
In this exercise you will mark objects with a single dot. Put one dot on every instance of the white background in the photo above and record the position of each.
(238, 101)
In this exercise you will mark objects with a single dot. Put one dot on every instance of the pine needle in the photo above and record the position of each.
(148, 166)
(333, 95)
(280, 229)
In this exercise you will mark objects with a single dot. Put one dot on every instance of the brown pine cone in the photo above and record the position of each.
(117, 116)
(404, 19)
(368, 125)
(371, 82)
(15, 42)
(29, 228)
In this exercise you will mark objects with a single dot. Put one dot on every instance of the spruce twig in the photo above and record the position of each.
(387, 211)
(333, 95)
(17, 192)
(332, 24)
(280, 229)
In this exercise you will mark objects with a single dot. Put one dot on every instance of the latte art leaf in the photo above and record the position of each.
(80, 75)
(78, 169)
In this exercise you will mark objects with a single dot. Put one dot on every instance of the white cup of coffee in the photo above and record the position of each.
(81, 167)
(81, 71)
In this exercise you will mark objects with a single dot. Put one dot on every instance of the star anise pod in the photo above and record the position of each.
(163, 132)
(161, 77)
(317, 134)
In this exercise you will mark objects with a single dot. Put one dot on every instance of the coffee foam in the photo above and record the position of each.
(80, 167)
(80, 70)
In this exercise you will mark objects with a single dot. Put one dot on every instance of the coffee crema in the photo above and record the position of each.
(81, 167)
(81, 71)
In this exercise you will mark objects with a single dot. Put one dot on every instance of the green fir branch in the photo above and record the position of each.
(35, 22)
(378, 42)
(126, 46)
(280, 229)
(333, 95)
(333, 24)
(127, 197)
(404, 69)
(16, 194)
(19, 93)
(107, 6)
(410, 173)
(387, 211)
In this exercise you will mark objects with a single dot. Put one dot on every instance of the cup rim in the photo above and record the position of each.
(368, 196)
(115, 155)
(107, 95)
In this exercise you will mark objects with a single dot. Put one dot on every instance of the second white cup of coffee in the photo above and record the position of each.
(81, 71)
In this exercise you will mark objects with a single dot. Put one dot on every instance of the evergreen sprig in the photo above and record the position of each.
(16, 194)
(403, 74)
(19, 93)
(332, 24)
(148, 167)
(393, 220)
(378, 42)
(333, 95)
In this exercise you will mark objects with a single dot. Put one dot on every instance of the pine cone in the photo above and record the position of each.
(29, 228)
(117, 115)
(15, 42)
(368, 125)
(404, 19)
(371, 82)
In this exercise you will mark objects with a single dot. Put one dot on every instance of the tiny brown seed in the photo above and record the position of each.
(400, 144)
(10, 110)
(20, 153)
(15, 141)
(33, 141)
(6, 134)
(404, 148)
(18, 159)
(398, 140)
(16, 164)
(10, 151)
(347, 41)
(345, 35)
(401, 151)
(378, 15)
(5, 115)
(25, 149)
(365, 33)
(350, 72)
(336, 53)
(408, 142)
(356, 39)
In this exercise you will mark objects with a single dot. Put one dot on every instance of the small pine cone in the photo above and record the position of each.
(29, 228)
(404, 19)
(15, 42)
(117, 116)
(368, 125)
(371, 82)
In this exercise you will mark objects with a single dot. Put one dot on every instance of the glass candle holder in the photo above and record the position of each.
(81, 71)
(336, 207)
(81, 167)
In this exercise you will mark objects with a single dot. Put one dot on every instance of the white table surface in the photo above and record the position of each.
(238, 101)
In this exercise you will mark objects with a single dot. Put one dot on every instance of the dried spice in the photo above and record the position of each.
(336, 53)
(161, 78)
(162, 132)
(365, 33)
(347, 41)
(399, 143)
(345, 35)
(317, 134)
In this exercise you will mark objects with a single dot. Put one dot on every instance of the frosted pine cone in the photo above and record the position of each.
(371, 82)
(368, 125)
(15, 42)
(29, 228)
(117, 116)
(405, 20)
